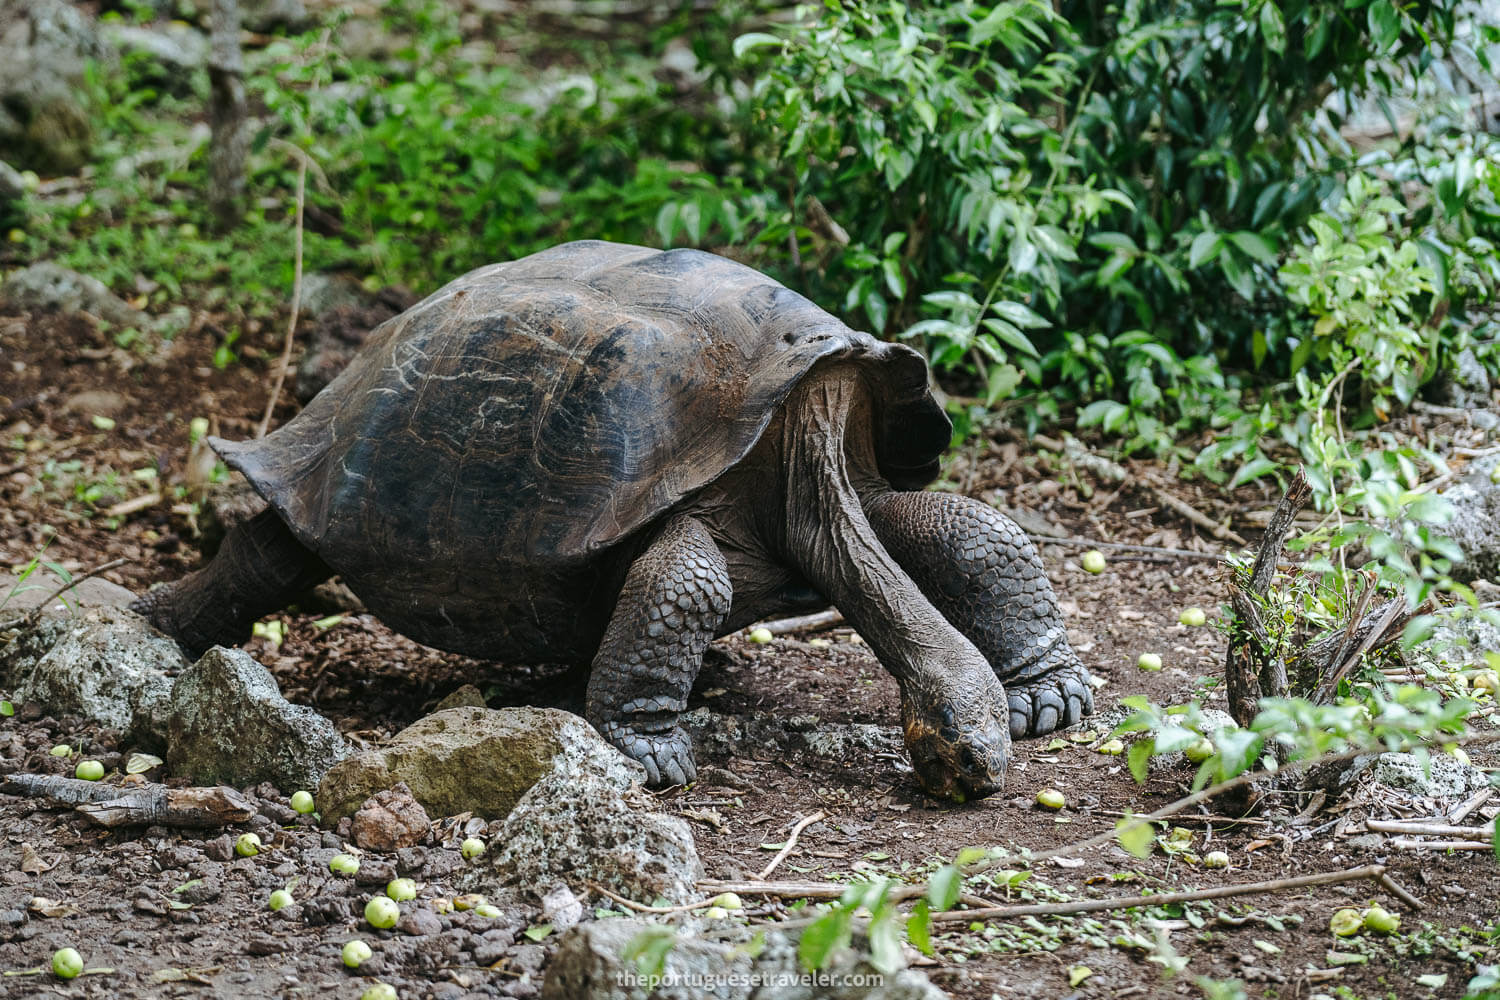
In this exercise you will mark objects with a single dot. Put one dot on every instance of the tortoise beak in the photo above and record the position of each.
(954, 758)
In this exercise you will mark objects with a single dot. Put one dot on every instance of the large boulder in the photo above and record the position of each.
(45, 46)
(228, 724)
(589, 965)
(106, 664)
(475, 760)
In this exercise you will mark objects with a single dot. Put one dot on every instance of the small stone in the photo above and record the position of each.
(390, 820)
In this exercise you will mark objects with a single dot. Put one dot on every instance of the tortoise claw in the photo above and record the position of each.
(1053, 701)
(667, 756)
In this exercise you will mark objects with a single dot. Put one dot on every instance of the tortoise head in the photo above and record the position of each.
(958, 737)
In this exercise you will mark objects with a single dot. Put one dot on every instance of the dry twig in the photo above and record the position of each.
(35, 614)
(791, 842)
(291, 326)
(815, 622)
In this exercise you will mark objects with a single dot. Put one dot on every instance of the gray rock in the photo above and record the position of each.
(170, 52)
(12, 185)
(45, 46)
(1476, 522)
(1466, 386)
(474, 760)
(589, 965)
(50, 286)
(228, 724)
(95, 592)
(587, 824)
(266, 16)
(1442, 777)
(105, 664)
(1459, 641)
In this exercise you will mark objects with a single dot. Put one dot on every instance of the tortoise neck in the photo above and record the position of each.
(831, 474)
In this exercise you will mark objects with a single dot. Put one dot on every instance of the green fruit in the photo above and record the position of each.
(1112, 748)
(761, 635)
(61, 750)
(1200, 751)
(1093, 561)
(1149, 661)
(355, 953)
(67, 963)
(1346, 922)
(716, 913)
(343, 864)
(471, 848)
(728, 900)
(489, 910)
(247, 845)
(302, 802)
(401, 889)
(380, 991)
(1380, 920)
(89, 770)
(1050, 798)
(382, 912)
(1192, 616)
(1488, 680)
(469, 901)
(1216, 859)
(280, 898)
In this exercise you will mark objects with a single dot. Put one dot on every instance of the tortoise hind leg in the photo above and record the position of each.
(982, 572)
(258, 569)
(675, 596)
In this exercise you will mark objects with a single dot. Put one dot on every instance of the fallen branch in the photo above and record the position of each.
(1411, 844)
(149, 805)
(1160, 899)
(815, 622)
(1461, 812)
(791, 842)
(1427, 829)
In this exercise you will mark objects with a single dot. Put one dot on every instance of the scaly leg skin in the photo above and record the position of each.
(259, 568)
(982, 572)
(675, 595)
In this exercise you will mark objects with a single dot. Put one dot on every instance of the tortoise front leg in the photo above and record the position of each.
(982, 572)
(675, 595)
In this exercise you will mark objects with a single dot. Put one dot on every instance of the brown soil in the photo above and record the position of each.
(60, 473)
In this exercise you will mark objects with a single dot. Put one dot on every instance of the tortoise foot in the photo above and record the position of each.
(1053, 701)
(667, 755)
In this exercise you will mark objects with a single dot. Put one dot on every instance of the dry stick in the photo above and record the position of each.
(1330, 682)
(35, 614)
(127, 507)
(1409, 844)
(791, 842)
(815, 622)
(1125, 547)
(1160, 899)
(631, 904)
(1476, 800)
(1426, 829)
(291, 326)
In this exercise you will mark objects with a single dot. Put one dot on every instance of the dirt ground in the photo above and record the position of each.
(173, 914)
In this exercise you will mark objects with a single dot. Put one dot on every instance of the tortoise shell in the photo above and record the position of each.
(539, 412)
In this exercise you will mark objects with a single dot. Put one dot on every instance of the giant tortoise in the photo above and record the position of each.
(611, 455)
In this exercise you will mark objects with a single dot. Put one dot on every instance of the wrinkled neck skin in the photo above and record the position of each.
(954, 710)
